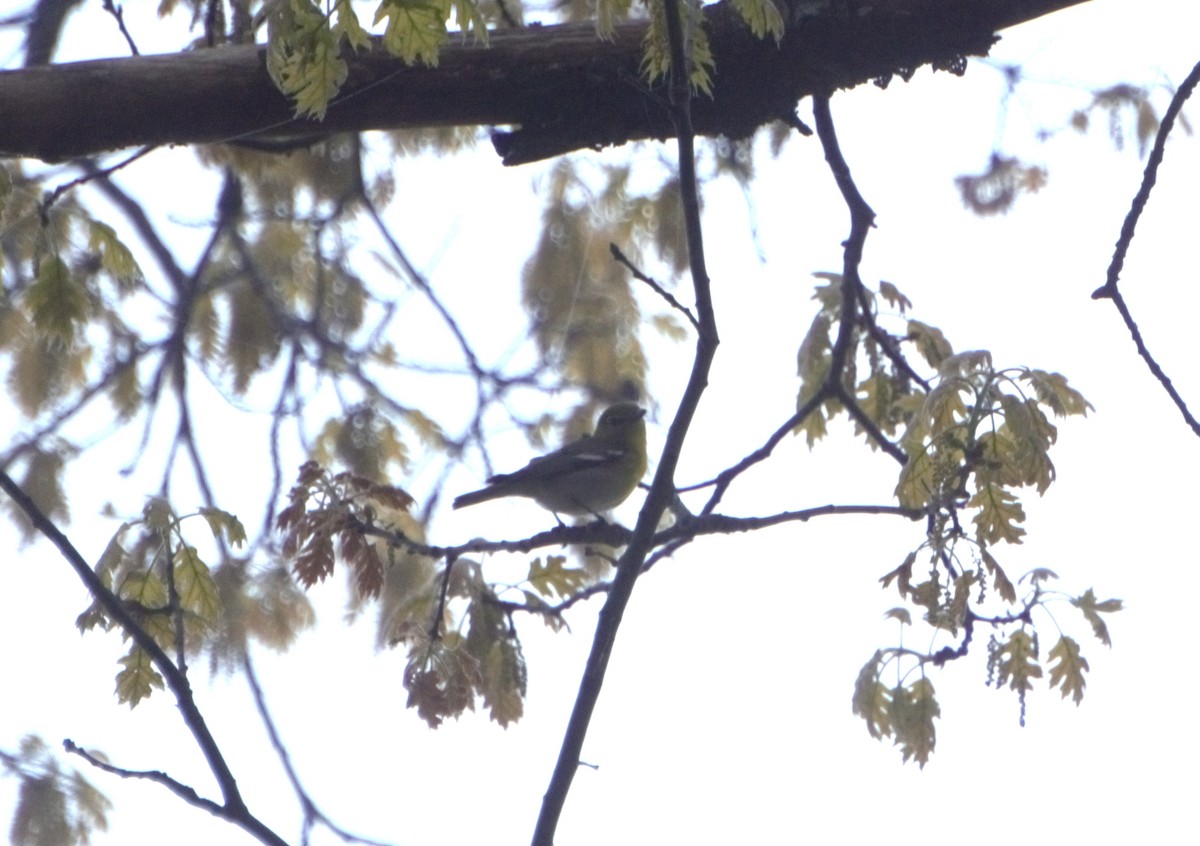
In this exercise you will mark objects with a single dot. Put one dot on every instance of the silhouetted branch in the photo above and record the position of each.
(1109, 289)
(654, 286)
(600, 533)
(90, 172)
(726, 477)
(312, 814)
(562, 86)
(118, 12)
(670, 540)
(868, 425)
(662, 489)
(862, 218)
(234, 807)
(183, 791)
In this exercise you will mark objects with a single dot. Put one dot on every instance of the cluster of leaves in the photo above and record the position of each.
(479, 658)
(79, 321)
(304, 42)
(323, 510)
(904, 710)
(888, 378)
(304, 51)
(585, 317)
(448, 669)
(1118, 101)
(165, 585)
(63, 331)
(1125, 109)
(656, 60)
(460, 638)
(53, 806)
(185, 605)
(972, 438)
(762, 16)
(1015, 661)
(971, 435)
(996, 189)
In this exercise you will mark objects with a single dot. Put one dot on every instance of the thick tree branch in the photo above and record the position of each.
(565, 88)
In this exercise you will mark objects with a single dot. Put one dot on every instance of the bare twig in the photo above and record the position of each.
(1109, 289)
(654, 286)
(793, 120)
(92, 172)
(183, 791)
(425, 288)
(118, 12)
(435, 625)
(726, 477)
(861, 220)
(312, 814)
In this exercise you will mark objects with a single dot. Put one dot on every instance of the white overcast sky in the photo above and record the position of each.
(726, 713)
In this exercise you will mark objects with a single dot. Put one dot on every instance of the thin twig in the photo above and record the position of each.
(793, 120)
(311, 812)
(183, 791)
(118, 12)
(425, 288)
(435, 625)
(727, 476)
(671, 540)
(654, 286)
(1109, 289)
(52, 198)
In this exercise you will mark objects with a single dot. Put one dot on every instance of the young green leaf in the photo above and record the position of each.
(139, 678)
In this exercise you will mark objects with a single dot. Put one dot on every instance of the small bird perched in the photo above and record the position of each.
(588, 476)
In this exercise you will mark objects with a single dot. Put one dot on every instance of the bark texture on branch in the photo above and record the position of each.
(561, 87)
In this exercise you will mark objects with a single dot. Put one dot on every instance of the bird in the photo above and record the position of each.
(589, 476)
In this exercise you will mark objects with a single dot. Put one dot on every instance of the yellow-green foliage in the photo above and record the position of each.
(656, 59)
(974, 439)
(585, 317)
(165, 585)
(304, 51)
(305, 43)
